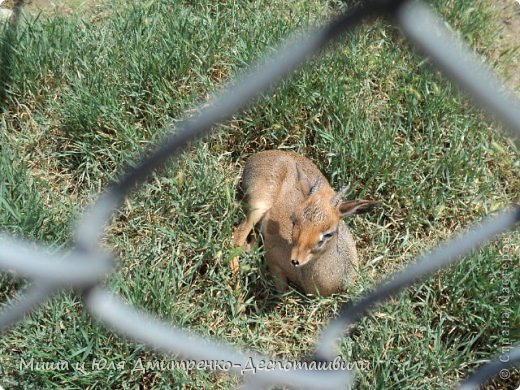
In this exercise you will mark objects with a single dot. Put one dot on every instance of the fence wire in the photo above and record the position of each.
(86, 266)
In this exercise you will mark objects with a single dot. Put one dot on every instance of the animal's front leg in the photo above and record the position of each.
(279, 278)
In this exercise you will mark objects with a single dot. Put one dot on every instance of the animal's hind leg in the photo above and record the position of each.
(256, 212)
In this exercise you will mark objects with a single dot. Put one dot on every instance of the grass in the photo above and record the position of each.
(87, 95)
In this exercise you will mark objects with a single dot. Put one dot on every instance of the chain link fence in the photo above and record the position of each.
(86, 266)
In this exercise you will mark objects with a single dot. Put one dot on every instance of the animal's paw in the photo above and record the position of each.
(235, 237)
(234, 264)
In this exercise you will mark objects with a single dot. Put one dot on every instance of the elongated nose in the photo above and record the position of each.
(295, 256)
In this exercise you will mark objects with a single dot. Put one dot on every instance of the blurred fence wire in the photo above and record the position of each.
(86, 266)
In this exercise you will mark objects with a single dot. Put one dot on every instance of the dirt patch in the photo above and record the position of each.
(52, 6)
(509, 19)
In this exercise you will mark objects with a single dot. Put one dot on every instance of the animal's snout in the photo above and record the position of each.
(296, 263)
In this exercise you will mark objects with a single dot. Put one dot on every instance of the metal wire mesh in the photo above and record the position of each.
(86, 266)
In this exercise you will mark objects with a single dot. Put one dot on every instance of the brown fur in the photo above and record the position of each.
(297, 208)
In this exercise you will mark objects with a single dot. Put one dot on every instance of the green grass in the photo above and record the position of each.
(87, 95)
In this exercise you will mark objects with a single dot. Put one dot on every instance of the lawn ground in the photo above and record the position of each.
(88, 92)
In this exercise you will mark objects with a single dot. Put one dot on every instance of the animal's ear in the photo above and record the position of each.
(306, 186)
(353, 207)
(337, 198)
(316, 186)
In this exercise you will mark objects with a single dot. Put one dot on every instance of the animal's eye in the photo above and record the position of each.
(326, 236)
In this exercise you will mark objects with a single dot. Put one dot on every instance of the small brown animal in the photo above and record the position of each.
(305, 240)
